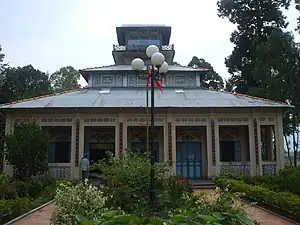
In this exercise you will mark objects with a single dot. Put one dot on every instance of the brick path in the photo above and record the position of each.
(40, 217)
(254, 213)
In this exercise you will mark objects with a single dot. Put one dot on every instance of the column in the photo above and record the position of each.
(209, 138)
(167, 142)
(172, 148)
(118, 141)
(79, 149)
(280, 142)
(217, 149)
(252, 147)
(122, 136)
(73, 148)
(8, 128)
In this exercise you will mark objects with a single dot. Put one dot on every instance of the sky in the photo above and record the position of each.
(50, 34)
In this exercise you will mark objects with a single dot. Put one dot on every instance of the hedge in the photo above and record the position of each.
(285, 203)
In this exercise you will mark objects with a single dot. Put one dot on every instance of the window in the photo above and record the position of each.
(96, 79)
(230, 151)
(59, 152)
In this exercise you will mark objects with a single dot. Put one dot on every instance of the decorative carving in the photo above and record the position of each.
(77, 143)
(132, 80)
(120, 139)
(56, 120)
(269, 119)
(213, 140)
(233, 119)
(23, 120)
(170, 142)
(193, 133)
(141, 120)
(95, 120)
(269, 169)
(192, 120)
(100, 134)
(119, 80)
(107, 79)
(237, 169)
(256, 140)
(122, 48)
(180, 79)
(60, 171)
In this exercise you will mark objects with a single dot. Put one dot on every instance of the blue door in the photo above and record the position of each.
(141, 147)
(189, 159)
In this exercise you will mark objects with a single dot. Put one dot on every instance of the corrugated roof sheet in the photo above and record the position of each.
(128, 68)
(135, 97)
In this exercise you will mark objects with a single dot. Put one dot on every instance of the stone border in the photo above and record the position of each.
(28, 213)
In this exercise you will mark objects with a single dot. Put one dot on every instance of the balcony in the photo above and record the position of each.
(123, 48)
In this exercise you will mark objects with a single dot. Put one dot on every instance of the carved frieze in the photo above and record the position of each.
(233, 119)
(100, 120)
(190, 120)
(142, 121)
(56, 120)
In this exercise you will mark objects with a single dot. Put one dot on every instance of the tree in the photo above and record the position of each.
(2, 64)
(276, 70)
(255, 21)
(23, 82)
(297, 5)
(211, 79)
(65, 79)
(27, 150)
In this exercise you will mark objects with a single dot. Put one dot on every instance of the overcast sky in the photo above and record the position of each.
(50, 34)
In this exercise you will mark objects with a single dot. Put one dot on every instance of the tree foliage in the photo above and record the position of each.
(65, 79)
(23, 82)
(27, 150)
(210, 79)
(255, 21)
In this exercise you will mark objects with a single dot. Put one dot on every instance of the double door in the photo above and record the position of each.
(189, 159)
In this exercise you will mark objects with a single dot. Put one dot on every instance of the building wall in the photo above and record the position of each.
(211, 119)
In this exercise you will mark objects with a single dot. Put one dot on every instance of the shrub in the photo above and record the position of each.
(10, 208)
(27, 150)
(83, 199)
(284, 201)
(127, 185)
(4, 187)
(289, 179)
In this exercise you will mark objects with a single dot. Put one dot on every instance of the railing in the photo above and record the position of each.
(269, 168)
(122, 48)
(235, 167)
(60, 171)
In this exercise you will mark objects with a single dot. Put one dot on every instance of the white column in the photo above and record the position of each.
(280, 143)
(260, 172)
(168, 119)
(122, 119)
(8, 129)
(209, 148)
(253, 171)
(81, 148)
(217, 148)
(173, 127)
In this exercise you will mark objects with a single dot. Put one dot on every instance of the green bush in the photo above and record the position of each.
(127, 184)
(10, 208)
(286, 202)
(27, 150)
(4, 187)
(287, 179)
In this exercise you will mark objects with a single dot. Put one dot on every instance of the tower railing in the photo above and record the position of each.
(122, 48)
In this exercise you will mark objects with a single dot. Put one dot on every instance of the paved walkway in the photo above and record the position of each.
(42, 216)
(256, 214)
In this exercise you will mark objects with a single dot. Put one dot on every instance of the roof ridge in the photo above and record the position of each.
(248, 96)
(41, 96)
(98, 67)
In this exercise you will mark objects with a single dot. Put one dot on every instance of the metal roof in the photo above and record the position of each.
(128, 68)
(135, 98)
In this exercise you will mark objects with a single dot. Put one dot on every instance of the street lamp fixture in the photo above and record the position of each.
(157, 69)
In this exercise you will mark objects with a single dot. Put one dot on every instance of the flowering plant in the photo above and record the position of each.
(83, 199)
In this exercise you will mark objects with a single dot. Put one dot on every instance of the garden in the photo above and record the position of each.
(280, 193)
(30, 186)
(124, 198)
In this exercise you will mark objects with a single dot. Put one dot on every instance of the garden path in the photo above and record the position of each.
(255, 213)
(40, 217)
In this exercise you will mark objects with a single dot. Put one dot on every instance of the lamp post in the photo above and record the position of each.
(157, 69)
